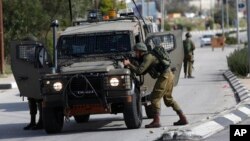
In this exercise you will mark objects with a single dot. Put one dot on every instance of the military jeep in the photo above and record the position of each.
(87, 75)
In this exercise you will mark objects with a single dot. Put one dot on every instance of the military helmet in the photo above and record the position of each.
(188, 35)
(141, 47)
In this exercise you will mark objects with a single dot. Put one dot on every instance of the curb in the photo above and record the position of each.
(11, 85)
(241, 92)
(209, 128)
(206, 129)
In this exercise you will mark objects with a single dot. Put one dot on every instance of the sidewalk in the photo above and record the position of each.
(240, 86)
(7, 82)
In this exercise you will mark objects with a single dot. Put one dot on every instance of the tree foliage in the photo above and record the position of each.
(25, 17)
(106, 5)
(231, 13)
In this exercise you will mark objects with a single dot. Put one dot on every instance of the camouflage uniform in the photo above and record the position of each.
(188, 61)
(162, 89)
(163, 86)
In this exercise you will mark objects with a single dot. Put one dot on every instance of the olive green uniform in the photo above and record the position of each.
(188, 56)
(163, 86)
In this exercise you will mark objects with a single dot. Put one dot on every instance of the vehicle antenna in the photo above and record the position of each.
(139, 12)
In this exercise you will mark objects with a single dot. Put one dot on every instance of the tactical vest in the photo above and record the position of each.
(187, 46)
(164, 62)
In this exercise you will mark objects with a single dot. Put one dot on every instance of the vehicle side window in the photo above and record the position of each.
(26, 52)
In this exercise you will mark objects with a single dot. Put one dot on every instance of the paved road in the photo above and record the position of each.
(224, 135)
(201, 99)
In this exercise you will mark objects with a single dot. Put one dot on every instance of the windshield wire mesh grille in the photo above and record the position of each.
(79, 45)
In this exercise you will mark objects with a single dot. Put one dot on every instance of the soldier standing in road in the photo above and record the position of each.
(163, 86)
(34, 104)
(189, 48)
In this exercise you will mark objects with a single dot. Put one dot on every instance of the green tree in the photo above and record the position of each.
(105, 6)
(79, 8)
(231, 13)
(21, 17)
(121, 5)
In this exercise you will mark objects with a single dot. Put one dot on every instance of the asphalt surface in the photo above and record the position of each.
(235, 115)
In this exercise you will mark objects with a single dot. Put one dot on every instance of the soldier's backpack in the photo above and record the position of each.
(162, 55)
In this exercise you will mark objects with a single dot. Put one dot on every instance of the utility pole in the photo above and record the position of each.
(1, 39)
(200, 8)
(248, 32)
(222, 17)
(227, 13)
(142, 8)
(162, 15)
(148, 8)
(237, 21)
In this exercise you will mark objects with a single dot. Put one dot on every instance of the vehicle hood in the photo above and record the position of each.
(83, 67)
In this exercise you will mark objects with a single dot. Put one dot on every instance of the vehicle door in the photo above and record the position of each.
(29, 60)
(172, 42)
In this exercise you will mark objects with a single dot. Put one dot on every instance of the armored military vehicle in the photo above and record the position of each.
(87, 75)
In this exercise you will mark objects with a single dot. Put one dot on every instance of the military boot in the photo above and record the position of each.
(190, 76)
(32, 123)
(155, 123)
(39, 124)
(182, 120)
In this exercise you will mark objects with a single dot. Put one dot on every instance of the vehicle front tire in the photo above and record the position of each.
(133, 113)
(81, 118)
(53, 119)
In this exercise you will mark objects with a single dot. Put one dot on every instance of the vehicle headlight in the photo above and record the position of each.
(57, 86)
(114, 82)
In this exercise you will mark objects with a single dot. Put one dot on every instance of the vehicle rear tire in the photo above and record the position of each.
(81, 118)
(53, 119)
(133, 113)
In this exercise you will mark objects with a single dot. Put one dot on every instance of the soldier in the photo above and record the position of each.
(188, 61)
(34, 104)
(162, 88)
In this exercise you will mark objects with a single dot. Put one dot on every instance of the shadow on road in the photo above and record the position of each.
(14, 107)
(9, 131)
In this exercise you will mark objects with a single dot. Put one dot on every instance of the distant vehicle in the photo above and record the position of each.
(206, 39)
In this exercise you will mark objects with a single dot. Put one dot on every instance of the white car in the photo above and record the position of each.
(206, 39)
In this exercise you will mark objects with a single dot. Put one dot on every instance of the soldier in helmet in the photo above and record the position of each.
(188, 61)
(162, 88)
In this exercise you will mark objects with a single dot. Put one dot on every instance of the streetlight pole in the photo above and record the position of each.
(1, 39)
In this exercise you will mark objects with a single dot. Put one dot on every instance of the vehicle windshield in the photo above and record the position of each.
(98, 43)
